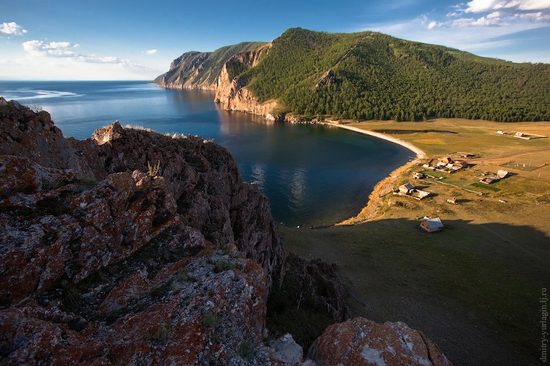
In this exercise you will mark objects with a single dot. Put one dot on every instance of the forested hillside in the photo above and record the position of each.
(374, 76)
(369, 75)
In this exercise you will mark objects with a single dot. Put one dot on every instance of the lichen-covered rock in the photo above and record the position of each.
(363, 342)
(205, 183)
(104, 260)
(205, 310)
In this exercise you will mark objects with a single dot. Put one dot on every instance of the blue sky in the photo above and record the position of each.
(121, 39)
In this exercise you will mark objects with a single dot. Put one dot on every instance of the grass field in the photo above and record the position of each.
(475, 287)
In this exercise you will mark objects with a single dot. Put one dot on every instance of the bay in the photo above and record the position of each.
(313, 175)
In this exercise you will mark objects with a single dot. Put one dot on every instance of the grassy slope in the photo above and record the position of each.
(474, 288)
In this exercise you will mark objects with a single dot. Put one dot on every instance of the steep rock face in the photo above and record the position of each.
(363, 342)
(200, 70)
(184, 73)
(205, 183)
(231, 91)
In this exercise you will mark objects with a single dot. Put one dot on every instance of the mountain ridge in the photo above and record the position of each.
(370, 75)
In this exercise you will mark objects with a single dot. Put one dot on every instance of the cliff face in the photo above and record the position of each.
(106, 261)
(184, 73)
(200, 70)
(220, 71)
(231, 89)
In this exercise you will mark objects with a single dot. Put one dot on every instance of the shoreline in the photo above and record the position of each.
(385, 186)
(420, 154)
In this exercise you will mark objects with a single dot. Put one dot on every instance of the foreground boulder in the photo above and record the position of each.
(362, 342)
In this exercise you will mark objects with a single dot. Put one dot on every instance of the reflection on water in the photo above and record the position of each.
(258, 175)
(298, 186)
(313, 175)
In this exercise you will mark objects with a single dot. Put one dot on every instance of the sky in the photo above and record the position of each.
(138, 39)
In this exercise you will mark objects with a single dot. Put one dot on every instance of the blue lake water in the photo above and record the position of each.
(313, 175)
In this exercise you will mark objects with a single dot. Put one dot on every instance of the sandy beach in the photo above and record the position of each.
(385, 185)
(420, 154)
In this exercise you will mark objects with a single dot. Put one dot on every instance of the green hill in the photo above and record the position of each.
(369, 75)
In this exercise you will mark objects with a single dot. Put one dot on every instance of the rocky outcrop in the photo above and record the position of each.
(205, 183)
(107, 261)
(361, 342)
(33, 135)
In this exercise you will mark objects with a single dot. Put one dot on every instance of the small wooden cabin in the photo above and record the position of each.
(431, 225)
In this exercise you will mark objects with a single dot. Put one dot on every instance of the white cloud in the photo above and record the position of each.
(532, 10)
(50, 49)
(480, 6)
(151, 52)
(12, 28)
(64, 50)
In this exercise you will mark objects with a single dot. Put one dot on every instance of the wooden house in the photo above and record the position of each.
(431, 225)
(406, 188)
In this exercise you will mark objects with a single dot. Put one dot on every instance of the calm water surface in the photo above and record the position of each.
(313, 175)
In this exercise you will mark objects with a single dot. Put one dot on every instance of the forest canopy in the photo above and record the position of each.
(370, 75)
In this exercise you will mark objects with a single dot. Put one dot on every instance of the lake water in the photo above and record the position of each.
(313, 175)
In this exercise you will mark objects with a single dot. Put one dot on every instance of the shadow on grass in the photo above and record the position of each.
(475, 289)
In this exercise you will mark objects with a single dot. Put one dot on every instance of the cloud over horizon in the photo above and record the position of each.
(151, 52)
(12, 28)
(37, 48)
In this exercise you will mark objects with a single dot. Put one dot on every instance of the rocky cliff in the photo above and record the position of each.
(220, 71)
(137, 248)
(200, 70)
(231, 90)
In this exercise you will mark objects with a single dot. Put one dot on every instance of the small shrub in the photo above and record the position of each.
(209, 320)
(246, 350)
(153, 170)
(222, 266)
(88, 182)
(181, 275)
(156, 292)
(162, 334)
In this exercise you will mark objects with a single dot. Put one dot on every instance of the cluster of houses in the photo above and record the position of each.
(447, 165)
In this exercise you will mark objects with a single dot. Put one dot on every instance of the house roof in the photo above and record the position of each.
(434, 223)
(502, 173)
